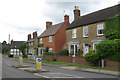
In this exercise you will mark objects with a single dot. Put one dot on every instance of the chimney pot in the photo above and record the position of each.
(66, 19)
(76, 12)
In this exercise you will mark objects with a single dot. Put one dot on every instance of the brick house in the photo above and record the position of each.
(32, 43)
(86, 31)
(54, 37)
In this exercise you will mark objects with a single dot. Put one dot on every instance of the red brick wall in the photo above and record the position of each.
(112, 64)
(81, 60)
(46, 43)
(60, 38)
(58, 58)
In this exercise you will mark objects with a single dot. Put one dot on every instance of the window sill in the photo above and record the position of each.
(100, 35)
(85, 36)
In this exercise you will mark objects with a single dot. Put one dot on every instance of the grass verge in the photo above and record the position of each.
(87, 66)
(54, 62)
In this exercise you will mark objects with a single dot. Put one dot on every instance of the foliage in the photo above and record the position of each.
(36, 51)
(46, 49)
(49, 53)
(64, 52)
(22, 48)
(54, 59)
(5, 47)
(108, 47)
(114, 57)
(112, 27)
(39, 45)
(92, 57)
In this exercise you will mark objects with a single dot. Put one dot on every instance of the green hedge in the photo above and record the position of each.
(108, 47)
(112, 27)
(64, 52)
(49, 53)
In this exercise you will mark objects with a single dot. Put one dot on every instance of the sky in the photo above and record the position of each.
(22, 17)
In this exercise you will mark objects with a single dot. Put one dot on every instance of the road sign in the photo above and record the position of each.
(38, 63)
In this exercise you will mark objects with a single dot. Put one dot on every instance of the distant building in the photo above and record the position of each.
(32, 43)
(14, 48)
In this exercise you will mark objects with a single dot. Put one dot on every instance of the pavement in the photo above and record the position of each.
(64, 66)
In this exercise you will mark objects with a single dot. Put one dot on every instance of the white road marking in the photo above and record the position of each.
(68, 76)
(40, 75)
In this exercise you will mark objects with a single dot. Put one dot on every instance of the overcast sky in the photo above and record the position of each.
(22, 17)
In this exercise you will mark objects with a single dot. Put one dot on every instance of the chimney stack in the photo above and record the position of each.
(29, 36)
(66, 19)
(76, 12)
(48, 24)
(12, 43)
(34, 34)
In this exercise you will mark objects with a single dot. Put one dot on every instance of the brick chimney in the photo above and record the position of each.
(48, 24)
(29, 36)
(66, 19)
(12, 43)
(76, 12)
(34, 34)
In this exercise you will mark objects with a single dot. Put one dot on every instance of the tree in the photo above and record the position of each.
(22, 48)
(5, 47)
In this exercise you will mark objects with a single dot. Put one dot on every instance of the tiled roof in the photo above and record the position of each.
(51, 30)
(94, 17)
(17, 43)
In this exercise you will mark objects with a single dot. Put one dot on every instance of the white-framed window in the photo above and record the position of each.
(50, 38)
(50, 49)
(85, 31)
(100, 29)
(74, 31)
(41, 40)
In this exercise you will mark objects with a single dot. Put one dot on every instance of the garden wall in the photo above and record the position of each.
(81, 60)
(58, 58)
(112, 64)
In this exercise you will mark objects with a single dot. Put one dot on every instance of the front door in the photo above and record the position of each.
(86, 49)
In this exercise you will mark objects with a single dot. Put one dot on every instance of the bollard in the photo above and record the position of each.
(38, 63)
(20, 61)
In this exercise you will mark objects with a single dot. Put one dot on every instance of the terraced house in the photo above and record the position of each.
(54, 37)
(86, 31)
(32, 43)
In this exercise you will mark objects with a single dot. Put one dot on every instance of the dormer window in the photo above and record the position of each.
(100, 29)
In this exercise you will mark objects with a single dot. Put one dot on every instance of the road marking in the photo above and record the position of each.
(40, 75)
(67, 75)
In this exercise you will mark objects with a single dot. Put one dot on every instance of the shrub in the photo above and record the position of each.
(114, 57)
(92, 57)
(54, 59)
(39, 45)
(49, 53)
(64, 52)
(46, 49)
(108, 48)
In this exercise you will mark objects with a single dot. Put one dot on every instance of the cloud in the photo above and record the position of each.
(21, 17)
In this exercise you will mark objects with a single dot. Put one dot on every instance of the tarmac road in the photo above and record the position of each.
(10, 72)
